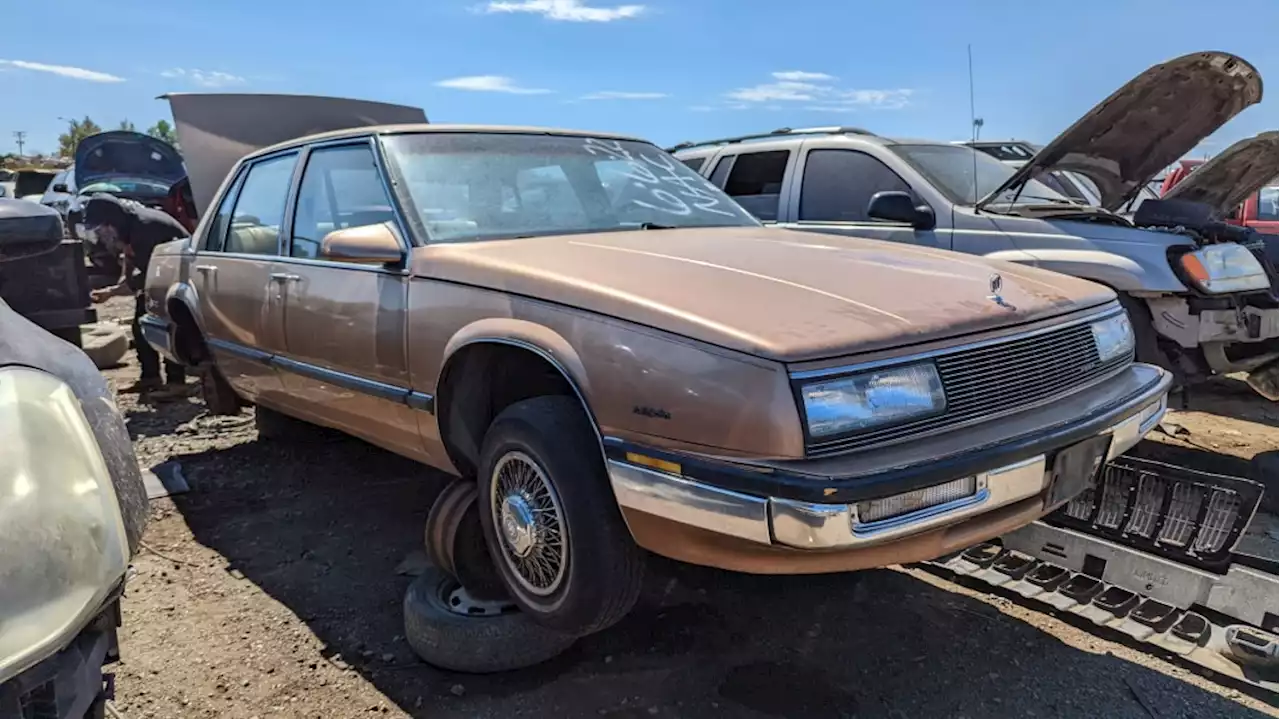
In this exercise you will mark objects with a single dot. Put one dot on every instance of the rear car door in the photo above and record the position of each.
(345, 361)
(236, 275)
(835, 187)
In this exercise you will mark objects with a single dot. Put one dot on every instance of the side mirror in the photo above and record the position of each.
(365, 245)
(60, 187)
(897, 206)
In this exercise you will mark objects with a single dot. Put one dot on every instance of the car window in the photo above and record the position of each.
(694, 163)
(340, 188)
(213, 239)
(259, 208)
(838, 185)
(1269, 204)
(721, 173)
(468, 186)
(755, 181)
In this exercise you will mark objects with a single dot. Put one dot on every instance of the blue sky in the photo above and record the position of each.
(667, 70)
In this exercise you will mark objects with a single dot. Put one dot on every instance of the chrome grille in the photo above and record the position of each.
(989, 380)
(1173, 511)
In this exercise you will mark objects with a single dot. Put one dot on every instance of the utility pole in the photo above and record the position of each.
(21, 137)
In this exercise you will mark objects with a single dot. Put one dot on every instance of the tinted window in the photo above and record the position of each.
(259, 208)
(694, 163)
(756, 182)
(341, 188)
(480, 186)
(1269, 204)
(838, 185)
(721, 173)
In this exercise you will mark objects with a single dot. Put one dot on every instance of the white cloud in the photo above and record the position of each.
(566, 10)
(817, 88)
(618, 95)
(802, 76)
(490, 83)
(204, 78)
(75, 73)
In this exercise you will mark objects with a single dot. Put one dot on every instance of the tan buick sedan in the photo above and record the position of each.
(621, 357)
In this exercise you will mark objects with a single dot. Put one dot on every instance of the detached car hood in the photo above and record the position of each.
(217, 129)
(1147, 124)
(1233, 174)
(778, 294)
(123, 154)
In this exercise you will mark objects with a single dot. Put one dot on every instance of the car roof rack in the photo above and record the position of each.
(780, 132)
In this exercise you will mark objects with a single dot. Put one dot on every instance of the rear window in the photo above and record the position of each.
(694, 163)
(1268, 199)
(755, 181)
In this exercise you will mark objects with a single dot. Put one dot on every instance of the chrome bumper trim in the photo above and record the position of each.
(804, 525)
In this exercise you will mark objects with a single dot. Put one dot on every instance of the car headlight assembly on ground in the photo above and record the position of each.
(63, 547)
(872, 399)
(1217, 269)
(1113, 337)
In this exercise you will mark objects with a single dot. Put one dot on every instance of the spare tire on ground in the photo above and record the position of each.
(106, 343)
(447, 629)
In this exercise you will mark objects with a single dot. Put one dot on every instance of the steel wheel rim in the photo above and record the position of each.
(529, 522)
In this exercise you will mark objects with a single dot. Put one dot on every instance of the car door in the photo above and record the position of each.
(345, 361)
(756, 179)
(836, 185)
(236, 276)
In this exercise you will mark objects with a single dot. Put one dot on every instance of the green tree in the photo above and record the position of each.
(127, 126)
(162, 130)
(77, 130)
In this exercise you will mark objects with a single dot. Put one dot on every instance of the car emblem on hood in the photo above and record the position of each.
(996, 283)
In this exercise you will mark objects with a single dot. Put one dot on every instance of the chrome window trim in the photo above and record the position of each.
(1108, 310)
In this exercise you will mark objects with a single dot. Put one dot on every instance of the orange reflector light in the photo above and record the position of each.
(1195, 268)
(661, 465)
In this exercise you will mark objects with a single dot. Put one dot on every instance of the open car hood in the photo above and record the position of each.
(1147, 124)
(217, 129)
(1232, 175)
(122, 153)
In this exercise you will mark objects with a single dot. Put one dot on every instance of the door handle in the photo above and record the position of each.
(285, 277)
(207, 269)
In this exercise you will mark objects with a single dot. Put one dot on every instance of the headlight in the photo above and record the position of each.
(1113, 336)
(872, 398)
(1224, 268)
(62, 538)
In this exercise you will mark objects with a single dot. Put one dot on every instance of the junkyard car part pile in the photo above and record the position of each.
(1174, 557)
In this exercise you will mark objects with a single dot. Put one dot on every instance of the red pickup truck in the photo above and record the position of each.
(1240, 182)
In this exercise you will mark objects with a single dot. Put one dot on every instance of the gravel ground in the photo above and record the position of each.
(270, 590)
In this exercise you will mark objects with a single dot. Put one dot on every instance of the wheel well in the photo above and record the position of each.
(188, 344)
(481, 380)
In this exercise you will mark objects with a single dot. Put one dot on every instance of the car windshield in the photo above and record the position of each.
(951, 169)
(480, 186)
(136, 188)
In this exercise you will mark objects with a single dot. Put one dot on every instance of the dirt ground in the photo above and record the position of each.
(270, 590)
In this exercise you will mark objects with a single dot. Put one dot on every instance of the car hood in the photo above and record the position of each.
(1147, 124)
(1233, 174)
(217, 129)
(778, 294)
(121, 153)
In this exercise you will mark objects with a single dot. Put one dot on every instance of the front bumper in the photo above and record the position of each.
(780, 505)
(156, 332)
(67, 684)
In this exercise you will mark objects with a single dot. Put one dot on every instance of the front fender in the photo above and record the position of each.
(532, 336)
(1145, 271)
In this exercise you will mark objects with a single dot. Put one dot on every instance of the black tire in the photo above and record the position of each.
(473, 644)
(217, 393)
(1146, 340)
(455, 541)
(599, 570)
(277, 427)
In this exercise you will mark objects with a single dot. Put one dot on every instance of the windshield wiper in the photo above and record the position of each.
(655, 226)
